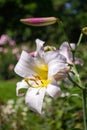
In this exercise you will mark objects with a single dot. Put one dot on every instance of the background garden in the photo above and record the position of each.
(65, 113)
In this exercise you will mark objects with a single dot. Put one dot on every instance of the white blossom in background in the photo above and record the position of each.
(66, 50)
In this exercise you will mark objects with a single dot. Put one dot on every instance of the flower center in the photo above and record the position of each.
(37, 82)
(42, 70)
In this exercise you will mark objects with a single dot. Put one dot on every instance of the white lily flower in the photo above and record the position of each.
(40, 74)
(65, 50)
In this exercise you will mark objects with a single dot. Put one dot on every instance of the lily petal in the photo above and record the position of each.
(34, 99)
(39, 50)
(55, 67)
(53, 90)
(60, 75)
(51, 55)
(39, 45)
(25, 65)
(65, 51)
(66, 44)
(56, 62)
(73, 46)
(21, 85)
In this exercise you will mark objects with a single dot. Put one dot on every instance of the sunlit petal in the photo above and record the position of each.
(73, 46)
(51, 55)
(65, 50)
(34, 99)
(53, 90)
(39, 53)
(66, 44)
(55, 67)
(39, 45)
(27, 65)
(24, 65)
(56, 62)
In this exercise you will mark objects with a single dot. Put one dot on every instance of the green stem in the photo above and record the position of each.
(62, 27)
(78, 77)
(80, 38)
(78, 43)
(74, 82)
(84, 109)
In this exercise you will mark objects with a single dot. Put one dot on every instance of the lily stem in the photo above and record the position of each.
(75, 83)
(84, 109)
(60, 23)
(80, 38)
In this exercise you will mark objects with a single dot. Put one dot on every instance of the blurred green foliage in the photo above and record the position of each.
(64, 113)
(73, 14)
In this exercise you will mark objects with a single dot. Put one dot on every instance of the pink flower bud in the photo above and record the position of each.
(39, 21)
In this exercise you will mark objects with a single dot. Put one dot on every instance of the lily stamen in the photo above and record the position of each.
(26, 80)
(38, 78)
(33, 79)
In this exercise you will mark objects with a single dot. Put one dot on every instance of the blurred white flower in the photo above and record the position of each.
(65, 94)
(11, 67)
(15, 51)
(12, 42)
(4, 39)
(25, 48)
(1, 49)
(5, 50)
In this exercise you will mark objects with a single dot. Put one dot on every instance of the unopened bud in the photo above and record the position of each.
(44, 21)
(84, 30)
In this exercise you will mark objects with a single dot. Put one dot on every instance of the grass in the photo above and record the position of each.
(7, 90)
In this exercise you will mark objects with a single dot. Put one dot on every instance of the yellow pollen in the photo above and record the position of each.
(42, 71)
(38, 81)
